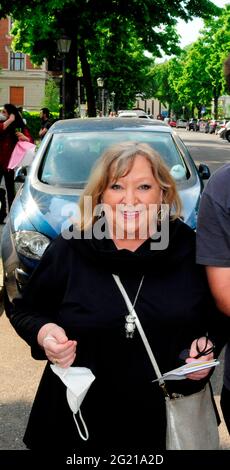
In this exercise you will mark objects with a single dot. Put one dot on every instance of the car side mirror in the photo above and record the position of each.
(20, 174)
(204, 171)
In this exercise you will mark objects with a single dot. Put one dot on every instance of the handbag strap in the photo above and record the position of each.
(141, 331)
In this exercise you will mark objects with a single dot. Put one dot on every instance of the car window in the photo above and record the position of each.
(70, 157)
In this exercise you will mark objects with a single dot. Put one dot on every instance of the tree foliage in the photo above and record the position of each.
(51, 99)
(121, 25)
(196, 77)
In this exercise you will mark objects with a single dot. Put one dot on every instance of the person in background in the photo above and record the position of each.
(3, 125)
(11, 130)
(46, 122)
(213, 250)
(70, 324)
(20, 110)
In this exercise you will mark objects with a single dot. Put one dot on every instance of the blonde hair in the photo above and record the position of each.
(119, 159)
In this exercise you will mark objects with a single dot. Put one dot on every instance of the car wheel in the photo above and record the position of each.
(227, 135)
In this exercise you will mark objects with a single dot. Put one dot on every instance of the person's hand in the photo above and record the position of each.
(203, 346)
(11, 118)
(42, 132)
(21, 136)
(8, 121)
(58, 348)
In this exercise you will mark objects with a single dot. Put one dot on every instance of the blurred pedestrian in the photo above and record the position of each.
(11, 130)
(46, 122)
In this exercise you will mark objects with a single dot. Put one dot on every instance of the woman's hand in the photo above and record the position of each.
(9, 121)
(58, 348)
(21, 136)
(202, 342)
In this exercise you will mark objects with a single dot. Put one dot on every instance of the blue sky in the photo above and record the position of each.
(190, 31)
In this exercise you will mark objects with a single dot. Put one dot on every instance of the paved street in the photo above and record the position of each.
(20, 373)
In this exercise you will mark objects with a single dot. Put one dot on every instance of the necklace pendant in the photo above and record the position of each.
(130, 326)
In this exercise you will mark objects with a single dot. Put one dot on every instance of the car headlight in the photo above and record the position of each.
(30, 244)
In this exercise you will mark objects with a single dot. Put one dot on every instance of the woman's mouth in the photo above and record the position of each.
(129, 215)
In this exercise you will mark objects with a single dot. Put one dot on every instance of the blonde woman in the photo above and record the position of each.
(73, 314)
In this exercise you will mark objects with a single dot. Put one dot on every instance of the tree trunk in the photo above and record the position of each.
(216, 94)
(87, 81)
(71, 80)
(199, 108)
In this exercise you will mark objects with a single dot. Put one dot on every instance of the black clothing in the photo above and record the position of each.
(10, 190)
(3, 212)
(45, 124)
(73, 287)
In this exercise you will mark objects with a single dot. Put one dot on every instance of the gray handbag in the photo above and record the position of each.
(191, 419)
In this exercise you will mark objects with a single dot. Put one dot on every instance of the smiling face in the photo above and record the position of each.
(131, 202)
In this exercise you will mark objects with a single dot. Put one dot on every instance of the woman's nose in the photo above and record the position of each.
(130, 197)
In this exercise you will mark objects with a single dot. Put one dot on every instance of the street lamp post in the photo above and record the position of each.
(183, 107)
(100, 84)
(113, 96)
(63, 44)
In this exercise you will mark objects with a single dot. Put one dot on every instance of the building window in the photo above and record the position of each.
(17, 61)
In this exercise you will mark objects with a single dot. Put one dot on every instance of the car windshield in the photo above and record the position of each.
(69, 157)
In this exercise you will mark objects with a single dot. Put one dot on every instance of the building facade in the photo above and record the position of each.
(151, 106)
(21, 83)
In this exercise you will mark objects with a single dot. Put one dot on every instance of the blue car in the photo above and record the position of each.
(46, 202)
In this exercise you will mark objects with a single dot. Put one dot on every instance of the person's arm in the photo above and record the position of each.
(25, 135)
(42, 132)
(213, 238)
(22, 136)
(35, 314)
(219, 282)
(8, 121)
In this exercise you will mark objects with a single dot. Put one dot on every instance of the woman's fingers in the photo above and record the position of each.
(202, 373)
(64, 362)
(199, 375)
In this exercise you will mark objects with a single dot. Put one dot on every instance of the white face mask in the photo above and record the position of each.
(77, 380)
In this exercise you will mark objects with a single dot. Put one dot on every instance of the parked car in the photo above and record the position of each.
(203, 125)
(133, 113)
(227, 131)
(212, 126)
(223, 130)
(172, 123)
(181, 123)
(220, 125)
(47, 200)
(193, 125)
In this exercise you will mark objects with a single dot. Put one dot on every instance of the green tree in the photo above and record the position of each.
(202, 74)
(51, 99)
(165, 77)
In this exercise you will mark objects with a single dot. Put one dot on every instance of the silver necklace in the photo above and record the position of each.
(130, 325)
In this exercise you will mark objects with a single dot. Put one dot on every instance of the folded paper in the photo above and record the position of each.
(181, 372)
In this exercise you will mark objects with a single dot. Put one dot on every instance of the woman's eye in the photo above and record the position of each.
(115, 186)
(145, 186)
